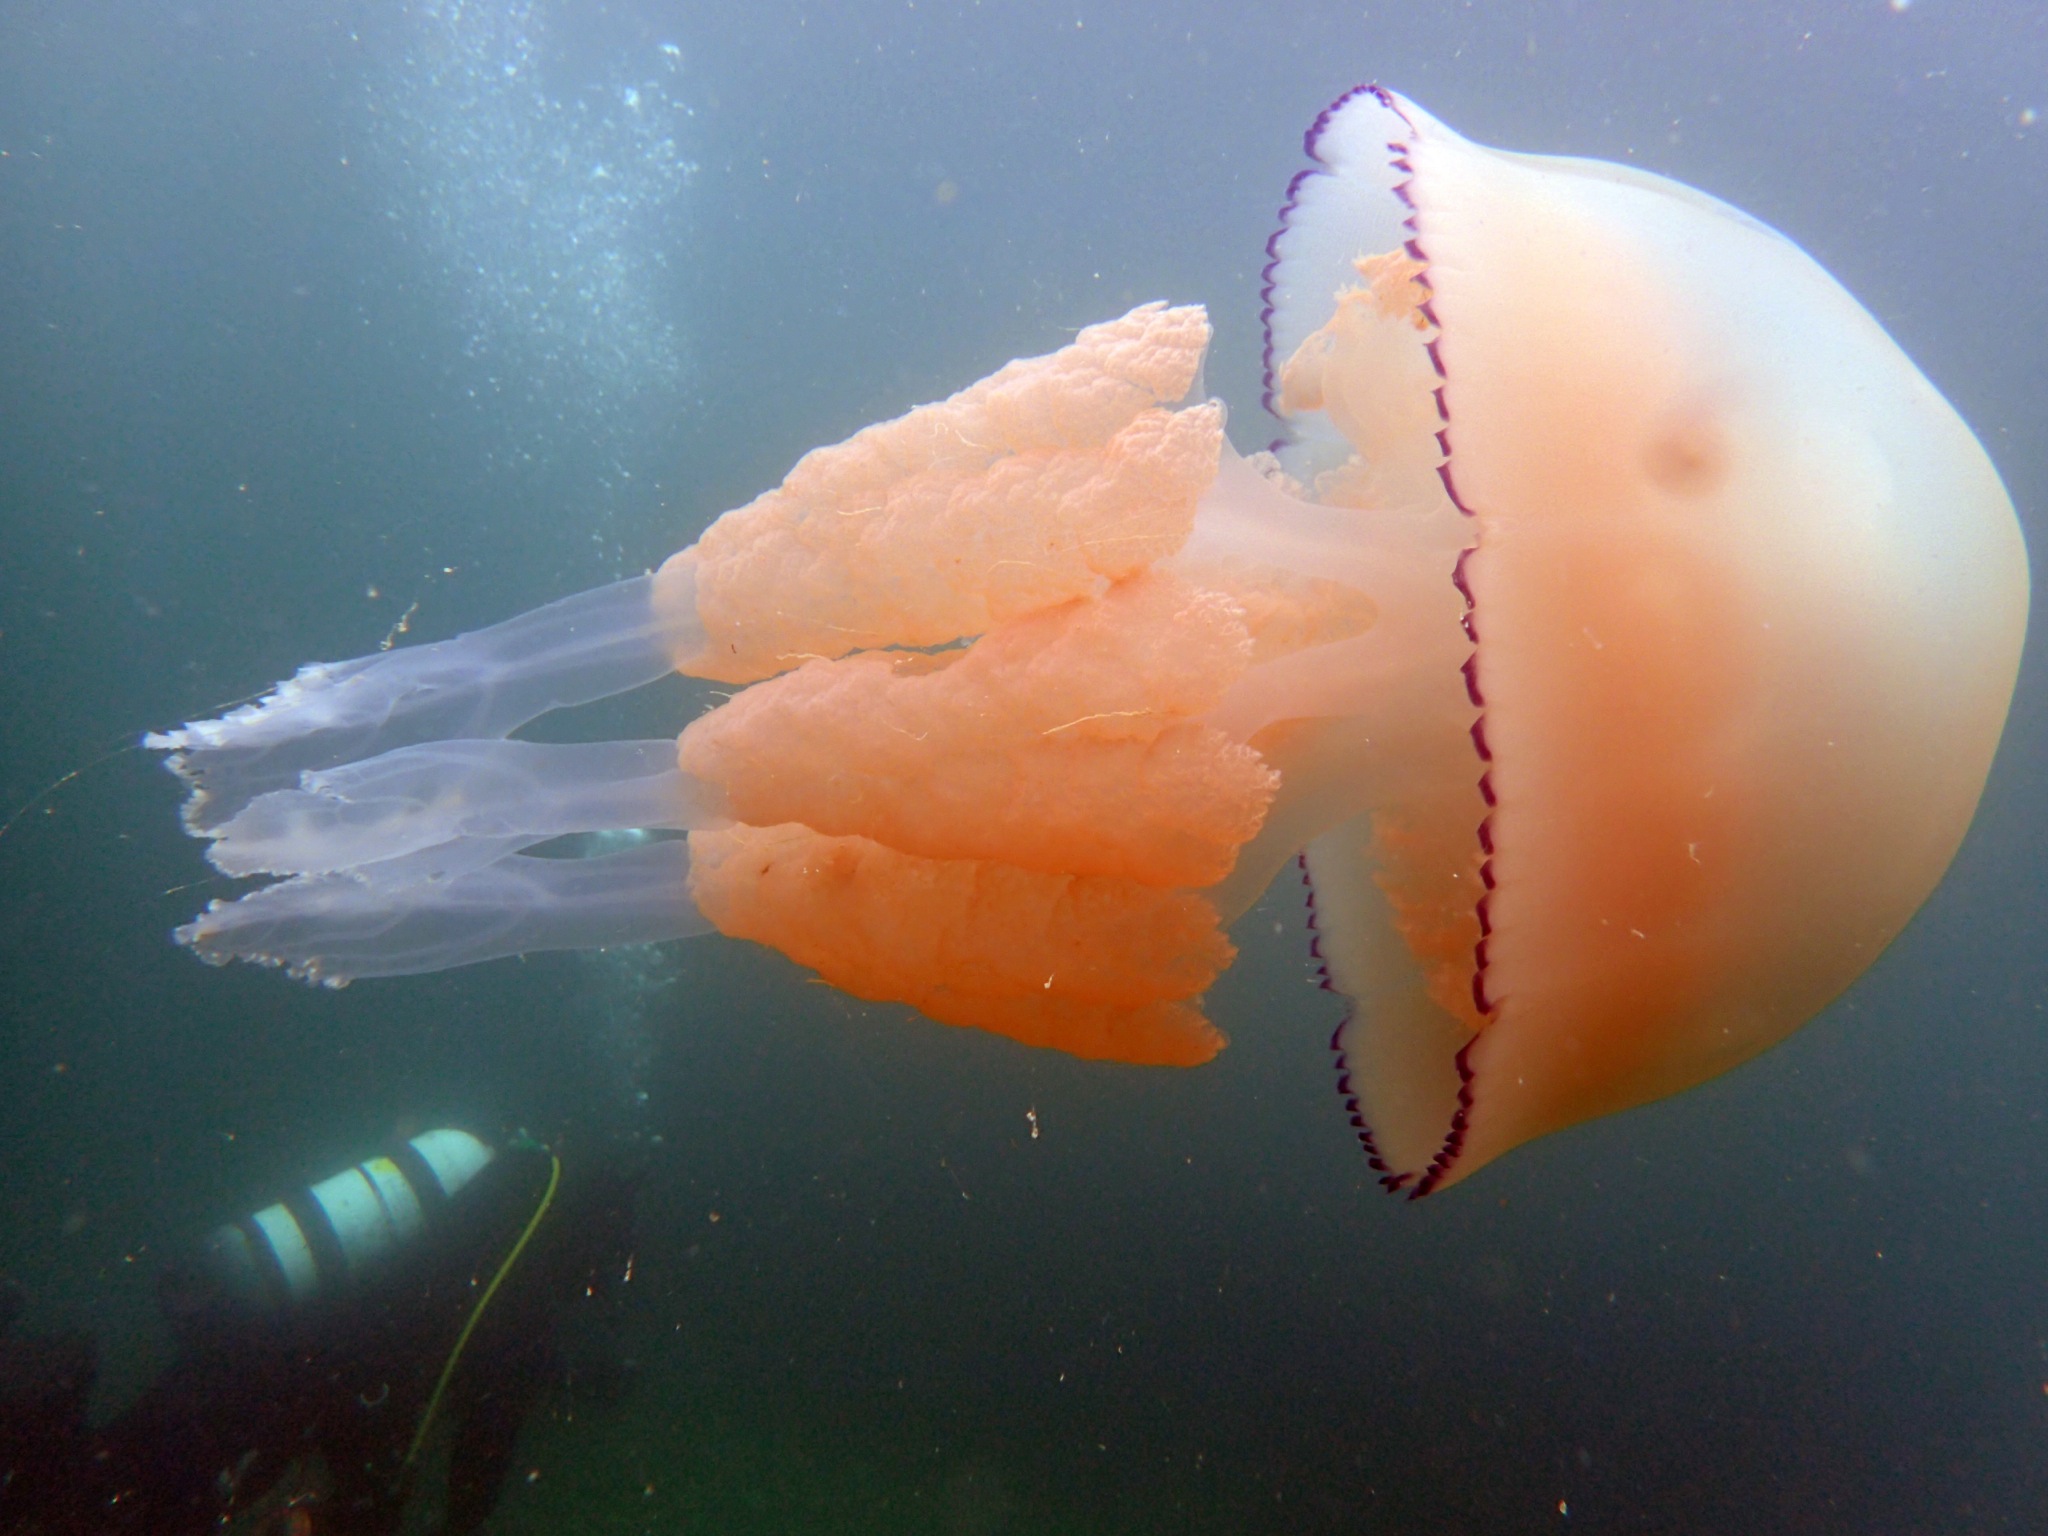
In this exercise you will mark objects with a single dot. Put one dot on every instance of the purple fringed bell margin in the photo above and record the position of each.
(1309, 140)
(1454, 1139)
(1389, 1180)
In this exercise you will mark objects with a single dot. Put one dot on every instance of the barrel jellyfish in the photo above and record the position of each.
(1618, 638)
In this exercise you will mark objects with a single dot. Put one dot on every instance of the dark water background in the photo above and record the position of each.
(301, 302)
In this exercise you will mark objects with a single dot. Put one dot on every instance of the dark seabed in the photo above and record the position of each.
(320, 319)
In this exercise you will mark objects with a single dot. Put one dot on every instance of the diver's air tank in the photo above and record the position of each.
(322, 1238)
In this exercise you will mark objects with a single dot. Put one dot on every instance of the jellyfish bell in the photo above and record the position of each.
(1620, 639)
(1747, 601)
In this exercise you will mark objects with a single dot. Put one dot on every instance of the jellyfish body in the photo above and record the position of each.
(1621, 641)
(1747, 606)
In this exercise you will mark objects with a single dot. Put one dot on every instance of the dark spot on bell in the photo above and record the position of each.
(1688, 456)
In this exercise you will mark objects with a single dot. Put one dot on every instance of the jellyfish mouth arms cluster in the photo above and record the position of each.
(1583, 640)
(1003, 656)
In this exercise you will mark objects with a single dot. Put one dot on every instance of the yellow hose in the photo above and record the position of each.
(476, 1315)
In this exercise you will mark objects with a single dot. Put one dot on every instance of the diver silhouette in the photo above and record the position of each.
(334, 1354)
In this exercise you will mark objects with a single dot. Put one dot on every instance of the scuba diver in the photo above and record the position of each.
(332, 1349)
